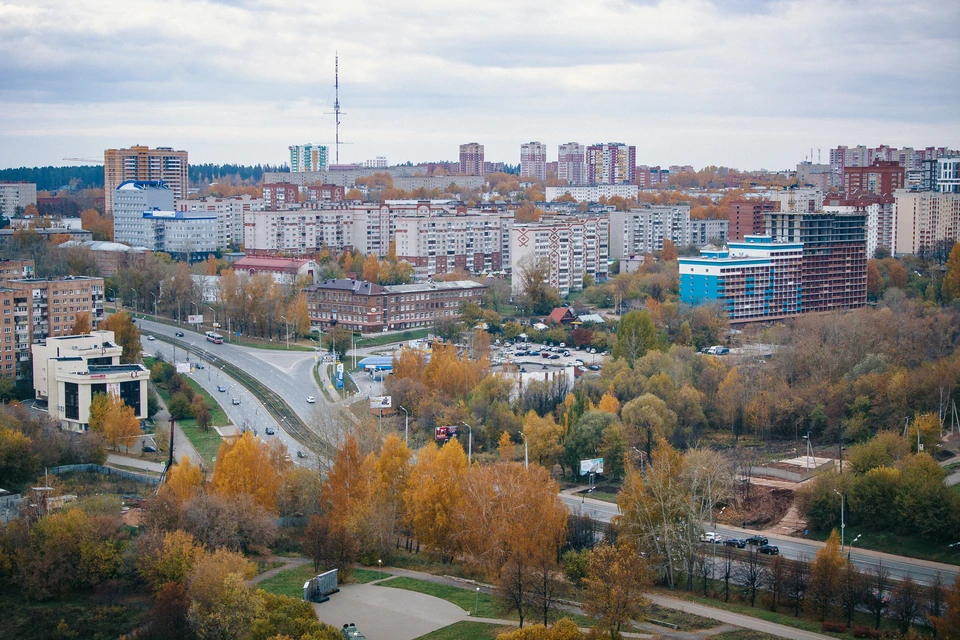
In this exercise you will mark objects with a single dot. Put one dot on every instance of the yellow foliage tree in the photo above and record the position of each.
(249, 466)
(82, 324)
(371, 268)
(99, 410)
(167, 559)
(184, 480)
(508, 450)
(543, 438)
(434, 494)
(609, 404)
(121, 424)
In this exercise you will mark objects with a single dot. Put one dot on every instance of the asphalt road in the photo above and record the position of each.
(921, 571)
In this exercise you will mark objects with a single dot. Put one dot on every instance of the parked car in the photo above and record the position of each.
(533, 353)
(221, 388)
(235, 401)
(151, 338)
(769, 549)
(544, 354)
(566, 354)
(594, 367)
(311, 399)
(147, 448)
(593, 350)
(555, 356)
(711, 536)
(270, 431)
(739, 543)
(757, 540)
(179, 334)
(200, 365)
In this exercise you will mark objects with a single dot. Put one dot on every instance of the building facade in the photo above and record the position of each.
(571, 163)
(16, 270)
(187, 235)
(611, 163)
(746, 217)
(533, 160)
(593, 193)
(436, 245)
(572, 246)
(69, 371)
(16, 196)
(881, 178)
(284, 271)
(753, 280)
(471, 159)
(307, 157)
(709, 231)
(131, 199)
(924, 220)
(371, 308)
(643, 230)
(142, 164)
(280, 195)
(229, 212)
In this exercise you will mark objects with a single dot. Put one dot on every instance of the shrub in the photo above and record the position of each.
(835, 627)
(865, 632)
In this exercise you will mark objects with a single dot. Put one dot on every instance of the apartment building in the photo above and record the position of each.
(593, 193)
(471, 159)
(280, 195)
(571, 163)
(880, 212)
(56, 303)
(746, 217)
(709, 231)
(834, 255)
(229, 212)
(16, 196)
(436, 245)
(752, 280)
(15, 270)
(611, 163)
(68, 371)
(643, 230)
(307, 157)
(371, 308)
(880, 178)
(131, 200)
(142, 164)
(573, 246)
(15, 345)
(533, 160)
(924, 220)
(325, 193)
(648, 177)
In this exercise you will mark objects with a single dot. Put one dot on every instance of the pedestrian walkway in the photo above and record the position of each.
(288, 563)
(135, 463)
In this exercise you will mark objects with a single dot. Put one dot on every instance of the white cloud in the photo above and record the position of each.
(736, 82)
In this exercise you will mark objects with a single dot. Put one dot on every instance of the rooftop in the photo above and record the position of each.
(116, 368)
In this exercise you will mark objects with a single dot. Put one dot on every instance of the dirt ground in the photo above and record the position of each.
(764, 506)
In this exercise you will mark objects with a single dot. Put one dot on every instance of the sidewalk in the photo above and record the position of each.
(181, 443)
(135, 463)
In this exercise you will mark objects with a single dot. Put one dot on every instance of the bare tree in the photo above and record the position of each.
(727, 573)
(853, 587)
(906, 603)
(775, 582)
(751, 574)
(797, 579)
(547, 586)
(876, 596)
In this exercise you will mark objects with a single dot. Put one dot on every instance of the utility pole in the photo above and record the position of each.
(173, 426)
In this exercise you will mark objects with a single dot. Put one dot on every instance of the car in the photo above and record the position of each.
(151, 338)
(594, 367)
(200, 365)
(769, 550)
(593, 350)
(179, 334)
(300, 454)
(578, 362)
(562, 345)
(221, 388)
(566, 354)
(311, 399)
(147, 448)
(544, 354)
(555, 356)
(739, 543)
(533, 353)
(269, 431)
(235, 401)
(757, 540)
(711, 536)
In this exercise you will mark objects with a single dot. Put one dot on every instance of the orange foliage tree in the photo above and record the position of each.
(249, 466)
(434, 495)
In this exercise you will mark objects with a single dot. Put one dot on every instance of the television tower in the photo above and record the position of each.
(336, 104)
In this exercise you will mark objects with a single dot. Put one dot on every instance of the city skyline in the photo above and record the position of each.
(741, 83)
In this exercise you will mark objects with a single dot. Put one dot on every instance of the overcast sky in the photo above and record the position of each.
(740, 83)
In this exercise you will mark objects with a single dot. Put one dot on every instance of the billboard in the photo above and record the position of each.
(195, 319)
(339, 375)
(183, 367)
(380, 402)
(445, 433)
(594, 465)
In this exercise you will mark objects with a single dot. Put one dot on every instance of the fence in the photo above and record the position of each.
(8, 507)
(109, 471)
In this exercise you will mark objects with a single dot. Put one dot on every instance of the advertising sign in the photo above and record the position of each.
(195, 319)
(445, 433)
(340, 375)
(380, 402)
(183, 367)
(113, 388)
(594, 465)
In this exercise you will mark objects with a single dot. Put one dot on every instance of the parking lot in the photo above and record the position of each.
(528, 355)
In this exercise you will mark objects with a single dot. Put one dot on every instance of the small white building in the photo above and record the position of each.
(69, 370)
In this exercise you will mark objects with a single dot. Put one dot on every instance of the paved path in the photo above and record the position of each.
(288, 563)
(135, 463)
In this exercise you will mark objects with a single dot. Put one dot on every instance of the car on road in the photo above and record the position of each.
(200, 365)
(179, 334)
(711, 536)
(739, 543)
(769, 549)
(757, 540)
(151, 338)
(300, 454)
(311, 399)
(221, 388)
(270, 431)
(235, 401)
(147, 448)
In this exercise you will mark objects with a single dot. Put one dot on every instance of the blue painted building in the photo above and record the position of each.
(752, 280)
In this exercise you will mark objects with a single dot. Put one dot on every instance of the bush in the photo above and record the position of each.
(835, 627)
(865, 632)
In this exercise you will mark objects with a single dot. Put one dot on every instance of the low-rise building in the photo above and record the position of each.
(368, 307)
(593, 193)
(110, 257)
(285, 271)
(69, 370)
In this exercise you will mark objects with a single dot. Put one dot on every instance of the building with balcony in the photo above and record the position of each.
(69, 370)
(643, 229)
(572, 246)
(16, 196)
(924, 220)
(436, 245)
(533, 160)
(143, 164)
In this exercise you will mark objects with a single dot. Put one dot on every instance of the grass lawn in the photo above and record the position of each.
(601, 495)
(463, 598)
(348, 386)
(901, 545)
(744, 634)
(206, 442)
(467, 630)
(403, 336)
(684, 621)
(290, 582)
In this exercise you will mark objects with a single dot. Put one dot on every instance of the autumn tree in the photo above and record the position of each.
(434, 494)
(506, 448)
(950, 289)
(948, 624)
(81, 325)
(18, 461)
(249, 466)
(543, 438)
(669, 251)
(126, 334)
(120, 422)
(99, 411)
(853, 590)
(616, 584)
(184, 480)
(371, 268)
(906, 603)
(825, 575)
(299, 315)
(874, 280)
(164, 557)
(898, 275)
(537, 297)
(221, 604)
(200, 411)
(636, 335)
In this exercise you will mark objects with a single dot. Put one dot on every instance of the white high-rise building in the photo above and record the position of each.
(573, 246)
(308, 157)
(643, 230)
(130, 201)
(229, 212)
(925, 219)
(533, 160)
(570, 163)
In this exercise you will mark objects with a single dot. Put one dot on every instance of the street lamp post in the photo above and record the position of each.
(476, 606)
(154, 305)
(196, 326)
(469, 443)
(843, 525)
(214, 316)
(287, 323)
(526, 451)
(852, 542)
(406, 425)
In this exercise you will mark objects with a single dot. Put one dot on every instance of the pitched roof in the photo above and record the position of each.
(257, 263)
(559, 314)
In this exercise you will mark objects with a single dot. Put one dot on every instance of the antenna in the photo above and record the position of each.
(336, 107)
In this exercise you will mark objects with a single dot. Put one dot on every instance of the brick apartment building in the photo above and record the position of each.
(368, 307)
(881, 178)
(746, 217)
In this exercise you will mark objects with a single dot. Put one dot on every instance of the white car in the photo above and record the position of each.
(311, 399)
(711, 536)
(151, 338)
